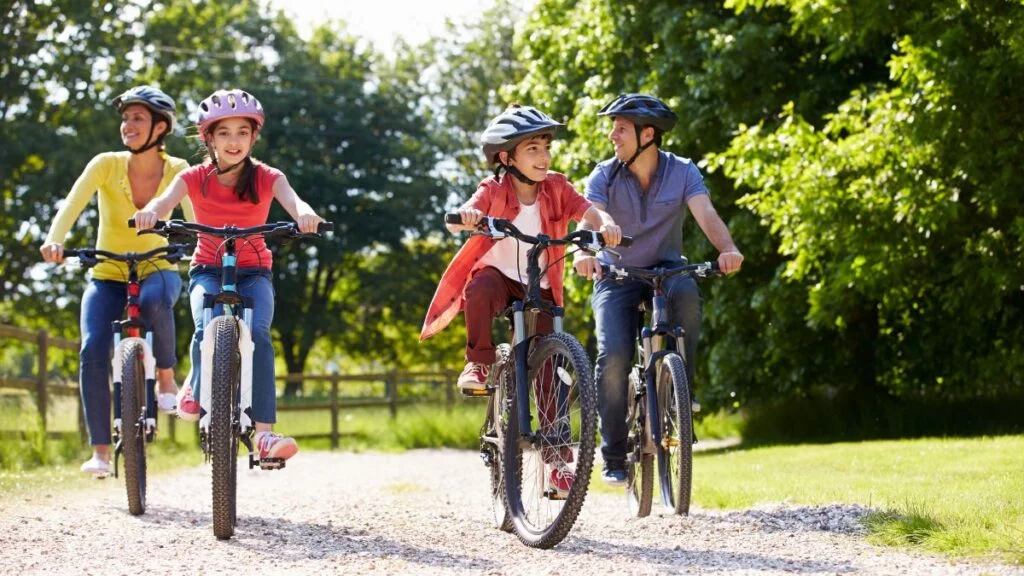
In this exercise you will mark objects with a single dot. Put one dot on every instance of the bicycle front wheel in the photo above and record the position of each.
(223, 436)
(547, 470)
(133, 431)
(675, 454)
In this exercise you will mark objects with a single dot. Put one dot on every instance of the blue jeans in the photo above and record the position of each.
(615, 313)
(103, 303)
(254, 284)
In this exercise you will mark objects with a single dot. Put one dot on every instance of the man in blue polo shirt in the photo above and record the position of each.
(647, 192)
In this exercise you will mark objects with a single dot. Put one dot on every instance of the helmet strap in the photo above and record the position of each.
(639, 150)
(157, 142)
(518, 174)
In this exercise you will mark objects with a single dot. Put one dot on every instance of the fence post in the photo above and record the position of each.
(334, 411)
(41, 399)
(391, 387)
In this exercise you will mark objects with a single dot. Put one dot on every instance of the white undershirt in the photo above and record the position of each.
(507, 252)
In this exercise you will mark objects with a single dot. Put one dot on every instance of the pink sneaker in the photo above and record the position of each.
(562, 479)
(270, 445)
(188, 408)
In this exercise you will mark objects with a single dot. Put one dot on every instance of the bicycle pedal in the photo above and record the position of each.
(555, 495)
(474, 393)
(271, 463)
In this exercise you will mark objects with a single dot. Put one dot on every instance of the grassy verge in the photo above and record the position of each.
(962, 497)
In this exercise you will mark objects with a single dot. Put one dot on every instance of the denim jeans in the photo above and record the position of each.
(103, 303)
(255, 284)
(615, 314)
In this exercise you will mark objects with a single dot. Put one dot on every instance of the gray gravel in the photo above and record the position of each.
(422, 512)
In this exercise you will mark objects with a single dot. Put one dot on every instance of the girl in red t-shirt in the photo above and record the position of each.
(231, 188)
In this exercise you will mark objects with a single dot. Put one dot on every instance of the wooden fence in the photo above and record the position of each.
(42, 388)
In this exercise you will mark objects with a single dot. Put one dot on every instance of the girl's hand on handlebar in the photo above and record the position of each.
(470, 218)
(145, 220)
(308, 223)
(53, 252)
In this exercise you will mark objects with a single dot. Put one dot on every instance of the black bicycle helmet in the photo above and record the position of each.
(642, 110)
(159, 104)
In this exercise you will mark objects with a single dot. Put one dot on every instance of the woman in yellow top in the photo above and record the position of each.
(126, 181)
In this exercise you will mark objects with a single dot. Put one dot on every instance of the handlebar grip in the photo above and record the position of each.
(158, 226)
(452, 218)
(626, 241)
(131, 222)
(325, 227)
(715, 267)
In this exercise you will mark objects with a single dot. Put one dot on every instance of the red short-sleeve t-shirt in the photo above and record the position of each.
(221, 206)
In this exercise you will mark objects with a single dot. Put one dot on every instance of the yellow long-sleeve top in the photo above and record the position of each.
(107, 174)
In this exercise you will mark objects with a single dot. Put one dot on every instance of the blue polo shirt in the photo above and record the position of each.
(654, 218)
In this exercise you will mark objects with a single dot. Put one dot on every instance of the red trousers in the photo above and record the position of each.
(488, 293)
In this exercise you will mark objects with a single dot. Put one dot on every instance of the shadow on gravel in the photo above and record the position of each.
(277, 539)
(680, 559)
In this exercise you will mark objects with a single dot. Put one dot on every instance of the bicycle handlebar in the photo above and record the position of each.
(272, 229)
(701, 270)
(500, 227)
(172, 253)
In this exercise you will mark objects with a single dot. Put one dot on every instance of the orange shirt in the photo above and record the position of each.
(220, 206)
(559, 203)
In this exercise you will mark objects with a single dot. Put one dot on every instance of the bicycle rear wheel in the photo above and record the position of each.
(133, 432)
(562, 402)
(639, 463)
(223, 436)
(493, 433)
(675, 454)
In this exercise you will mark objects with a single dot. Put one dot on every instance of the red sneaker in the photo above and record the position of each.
(188, 407)
(562, 479)
(474, 376)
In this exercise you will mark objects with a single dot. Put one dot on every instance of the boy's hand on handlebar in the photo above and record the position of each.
(53, 252)
(612, 235)
(145, 220)
(308, 223)
(471, 217)
(730, 261)
(587, 266)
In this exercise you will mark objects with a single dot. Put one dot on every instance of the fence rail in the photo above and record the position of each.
(42, 388)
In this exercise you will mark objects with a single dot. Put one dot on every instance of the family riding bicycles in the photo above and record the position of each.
(546, 400)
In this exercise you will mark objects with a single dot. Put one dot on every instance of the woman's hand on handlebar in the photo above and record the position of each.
(145, 219)
(52, 252)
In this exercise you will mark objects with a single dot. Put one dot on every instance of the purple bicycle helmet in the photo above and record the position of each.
(232, 103)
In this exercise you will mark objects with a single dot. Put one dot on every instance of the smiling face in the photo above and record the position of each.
(136, 121)
(623, 136)
(531, 156)
(231, 140)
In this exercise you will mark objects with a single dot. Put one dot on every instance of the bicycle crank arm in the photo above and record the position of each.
(117, 455)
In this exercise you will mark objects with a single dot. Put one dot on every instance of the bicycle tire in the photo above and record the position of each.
(554, 352)
(675, 454)
(133, 434)
(223, 439)
(639, 465)
(496, 422)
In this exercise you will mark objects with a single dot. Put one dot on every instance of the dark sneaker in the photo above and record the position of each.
(474, 376)
(614, 473)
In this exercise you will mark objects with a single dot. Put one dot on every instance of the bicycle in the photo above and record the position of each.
(133, 368)
(542, 377)
(659, 412)
(225, 396)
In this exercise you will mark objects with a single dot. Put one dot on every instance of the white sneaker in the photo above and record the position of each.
(167, 402)
(97, 467)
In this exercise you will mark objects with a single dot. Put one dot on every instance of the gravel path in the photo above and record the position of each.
(422, 512)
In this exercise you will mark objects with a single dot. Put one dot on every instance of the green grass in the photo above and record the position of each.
(962, 497)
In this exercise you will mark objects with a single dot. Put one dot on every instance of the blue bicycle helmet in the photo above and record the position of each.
(643, 111)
